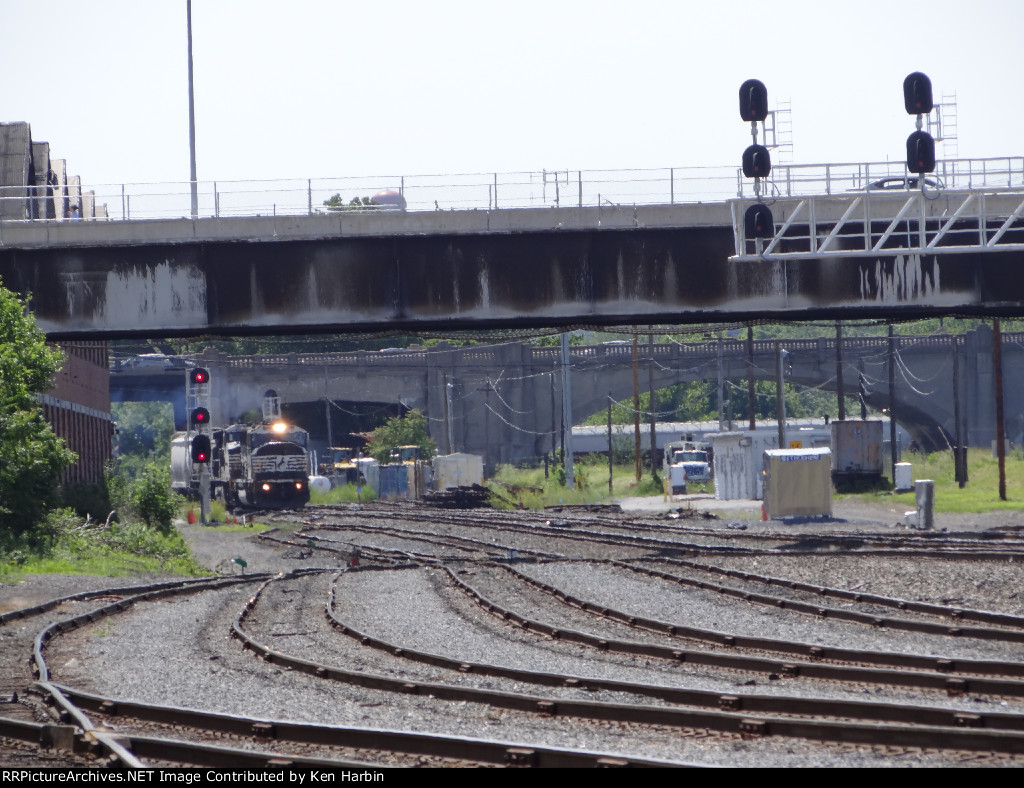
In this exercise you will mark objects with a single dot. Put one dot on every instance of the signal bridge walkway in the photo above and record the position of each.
(504, 401)
(855, 248)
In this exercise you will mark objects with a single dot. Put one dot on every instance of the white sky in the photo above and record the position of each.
(312, 88)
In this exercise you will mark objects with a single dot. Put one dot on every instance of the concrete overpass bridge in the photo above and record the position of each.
(504, 401)
(843, 245)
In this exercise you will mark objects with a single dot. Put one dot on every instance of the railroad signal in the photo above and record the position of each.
(200, 448)
(758, 221)
(753, 100)
(199, 417)
(917, 94)
(757, 162)
(199, 376)
(920, 152)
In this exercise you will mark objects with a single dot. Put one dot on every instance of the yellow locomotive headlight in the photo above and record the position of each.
(266, 487)
(279, 427)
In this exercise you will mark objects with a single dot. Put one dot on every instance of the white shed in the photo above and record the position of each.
(737, 461)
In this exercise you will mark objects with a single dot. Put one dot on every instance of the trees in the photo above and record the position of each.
(31, 456)
(408, 430)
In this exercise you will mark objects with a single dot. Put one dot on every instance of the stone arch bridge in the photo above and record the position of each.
(504, 401)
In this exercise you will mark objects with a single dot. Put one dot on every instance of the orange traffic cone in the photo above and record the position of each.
(764, 514)
(191, 517)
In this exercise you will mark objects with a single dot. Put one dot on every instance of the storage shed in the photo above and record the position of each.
(737, 460)
(798, 482)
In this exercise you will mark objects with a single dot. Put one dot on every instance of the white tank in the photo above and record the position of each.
(181, 469)
(320, 483)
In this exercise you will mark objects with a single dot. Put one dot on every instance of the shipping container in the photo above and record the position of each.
(856, 451)
(458, 470)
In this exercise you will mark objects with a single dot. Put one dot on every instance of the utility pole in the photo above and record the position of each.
(570, 479)
(327, 417)
(751, 398)
(554, 431)
(636, 412)
(449, 427)
(610, 461)
(721, 385)
(780, 394)
(892, 400)
(997, 363)
(192, 118)
(959, 451)
(650, 398)
(840, 394)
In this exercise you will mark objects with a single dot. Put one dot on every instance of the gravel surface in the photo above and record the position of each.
(692, 607)
(178, 651)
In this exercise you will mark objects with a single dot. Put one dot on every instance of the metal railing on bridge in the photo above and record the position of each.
(491, 355)
(496, 191)
(878, 210)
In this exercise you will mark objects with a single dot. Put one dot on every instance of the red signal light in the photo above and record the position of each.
(199, 376)
(200, 449)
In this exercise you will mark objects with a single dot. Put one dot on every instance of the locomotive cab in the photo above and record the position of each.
(272, 467)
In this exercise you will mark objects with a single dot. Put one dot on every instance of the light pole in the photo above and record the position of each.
(191, 118)
(780, 396)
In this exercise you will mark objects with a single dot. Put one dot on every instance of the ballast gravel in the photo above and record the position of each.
(178, 651)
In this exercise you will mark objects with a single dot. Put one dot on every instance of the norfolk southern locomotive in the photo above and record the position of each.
(257, 466)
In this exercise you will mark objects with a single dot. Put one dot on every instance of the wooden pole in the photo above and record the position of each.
(997, 362)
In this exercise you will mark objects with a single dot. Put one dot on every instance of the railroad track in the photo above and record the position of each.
(668, 535)
(640, 690)
(141, 735)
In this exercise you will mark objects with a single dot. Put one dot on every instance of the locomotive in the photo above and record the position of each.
(256, 466)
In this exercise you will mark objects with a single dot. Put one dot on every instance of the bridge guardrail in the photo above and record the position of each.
(488, 355)
(485, 191)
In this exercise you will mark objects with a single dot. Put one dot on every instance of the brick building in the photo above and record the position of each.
(34, 187)
(78, 408)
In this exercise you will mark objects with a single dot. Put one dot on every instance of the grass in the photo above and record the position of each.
(981, 493)
(344, 494)
(528, 487)
(117, 551)
(533, 491)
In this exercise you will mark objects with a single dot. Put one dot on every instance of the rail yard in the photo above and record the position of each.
(410, 635)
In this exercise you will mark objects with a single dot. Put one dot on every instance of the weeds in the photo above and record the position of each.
(529, 489)
(343, 494)
(981, 494)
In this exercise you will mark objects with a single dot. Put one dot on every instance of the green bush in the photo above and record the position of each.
(151, 498)
(88, 500)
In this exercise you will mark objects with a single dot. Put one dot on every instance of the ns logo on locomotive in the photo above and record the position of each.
(261, 464)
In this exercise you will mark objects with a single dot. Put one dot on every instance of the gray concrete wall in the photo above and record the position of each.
(506, 402)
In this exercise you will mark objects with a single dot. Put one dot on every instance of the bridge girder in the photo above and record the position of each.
(234, 276)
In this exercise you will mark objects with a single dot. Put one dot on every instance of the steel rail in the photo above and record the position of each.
(128, 751)
(40, 669)
(449, 540)
(407, 742)
(645, 542)
(903, 624)
(943, 666)
(25, 612)
(702, 698)
(845, 673)
(963, 733)
(955, 613)
(56, 738)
